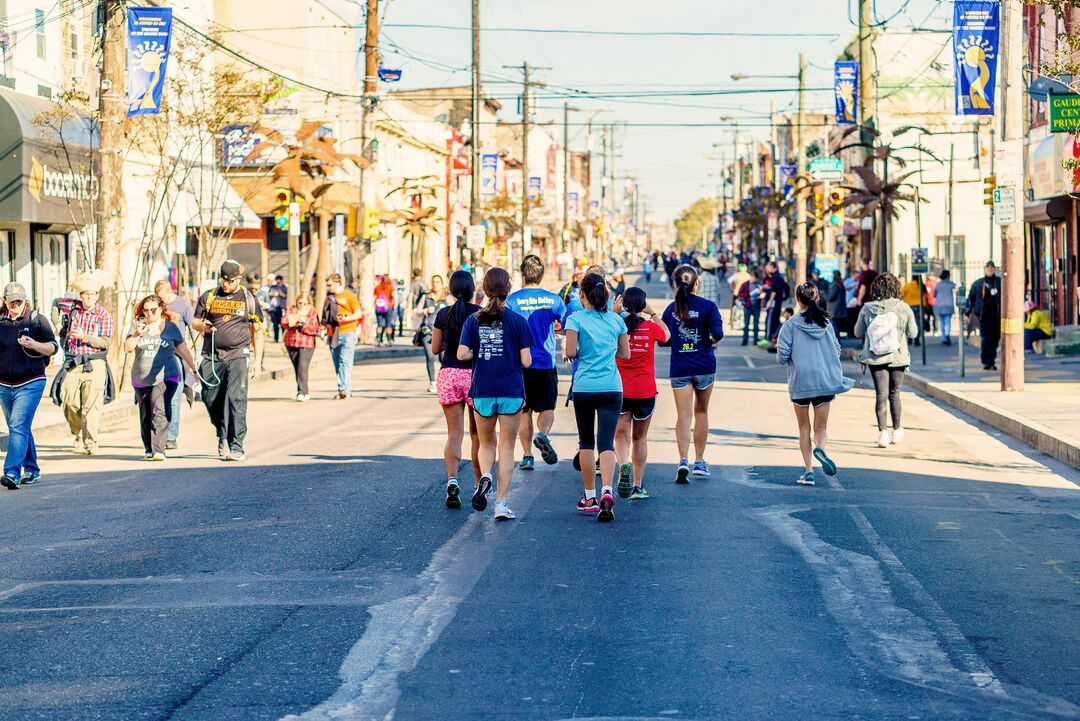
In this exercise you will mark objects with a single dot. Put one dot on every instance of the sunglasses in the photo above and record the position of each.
(151, 309)
(15, 302)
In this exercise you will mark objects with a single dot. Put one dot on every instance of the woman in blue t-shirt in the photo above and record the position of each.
(498, 343)
(695, 326)
(596, 337)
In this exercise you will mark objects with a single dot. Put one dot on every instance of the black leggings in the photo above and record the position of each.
(590, 406)
(888, 380)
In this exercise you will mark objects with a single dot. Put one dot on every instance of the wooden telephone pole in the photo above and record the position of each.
(112, 108)
(366, 279)
(526, 86)
(1012, 235)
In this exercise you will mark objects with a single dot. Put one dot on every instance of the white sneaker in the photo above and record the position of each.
(503, 512)
(883, 439)
(898, 436)
(432, 389)
(302, 397)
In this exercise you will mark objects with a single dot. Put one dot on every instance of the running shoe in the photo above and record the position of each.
(147, 456)
(432, 389)
(806, 479)
(547, 452)
(29, 478)
(527, 463)
(237, 455)
(639, 493)
(9, 482)
(701, 468)
(626, 472)
(159, 456)
(453, 494)
(683, 475)
(503, 511)
(898, 436)
(883, 439)
(222, 448)
(588, 505)
(479, 497)
(827, 464)
(607, 508)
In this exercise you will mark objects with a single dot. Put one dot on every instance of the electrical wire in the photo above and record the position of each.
(565, 31)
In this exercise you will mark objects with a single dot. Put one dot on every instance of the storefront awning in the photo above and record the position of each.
(47, 173)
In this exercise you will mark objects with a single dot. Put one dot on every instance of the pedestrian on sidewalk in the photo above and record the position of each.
(808, 345)
(750, 294)
(1037, 326)
(647, 265)
(230, 319)
(708, 283)
(27, 343)
(84, 384)
(347, 312)
(984, 304)
(836, 301)
(595, 337)
(914, 294)
(638, 373)
(867, 276)
(695, 326)
(777, 291)
(184, 312)
(433, 300)
(455, 380)
(885, 324)
(301, 324)
(497, 341)
(945, 305)
(279, 301)
(543, 310)
(157, 343)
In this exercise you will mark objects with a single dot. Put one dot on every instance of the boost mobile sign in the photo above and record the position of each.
(45, 182)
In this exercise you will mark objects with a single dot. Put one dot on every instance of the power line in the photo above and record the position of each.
(563, 31)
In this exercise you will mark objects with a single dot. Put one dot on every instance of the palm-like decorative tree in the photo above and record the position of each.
(417, 221)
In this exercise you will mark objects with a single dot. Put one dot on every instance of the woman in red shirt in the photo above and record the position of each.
(301, 324)
(639, 392)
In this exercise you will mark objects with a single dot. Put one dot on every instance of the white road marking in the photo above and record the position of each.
(401, 631)
(749, 362)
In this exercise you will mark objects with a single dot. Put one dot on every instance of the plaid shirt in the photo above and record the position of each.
(302, 336)
(95, 321)
(709, 287)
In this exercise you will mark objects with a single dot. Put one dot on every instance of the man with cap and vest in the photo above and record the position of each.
(230, 319)
(84, 383)
(26, 344)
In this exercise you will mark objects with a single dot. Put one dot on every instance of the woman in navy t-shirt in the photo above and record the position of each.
(695, 326)
(498, 343)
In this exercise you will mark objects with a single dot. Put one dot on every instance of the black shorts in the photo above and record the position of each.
(640, 409)
(815, 401)
(541, 389)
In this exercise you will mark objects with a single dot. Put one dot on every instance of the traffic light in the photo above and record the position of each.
(988, 192)
(371, 223)
(836, 206)
(819, 204)
(281, 210)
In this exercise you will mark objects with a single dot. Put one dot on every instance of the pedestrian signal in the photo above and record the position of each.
(990, 182)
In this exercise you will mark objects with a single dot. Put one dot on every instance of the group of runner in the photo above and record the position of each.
(499, 364)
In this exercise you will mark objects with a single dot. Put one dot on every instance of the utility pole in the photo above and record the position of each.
(736, 182)
(112, 107)
(564, 245)
(1012, 235)
(367, 104)
(474, 196)
(799, 251)
(526, 85)
(867, 102)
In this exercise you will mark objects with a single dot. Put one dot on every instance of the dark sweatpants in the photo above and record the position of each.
(226, 399)
(155, 412)
(990, 330)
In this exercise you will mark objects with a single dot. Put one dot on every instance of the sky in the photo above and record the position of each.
(673, 165)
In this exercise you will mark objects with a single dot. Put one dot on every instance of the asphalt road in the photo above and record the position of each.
(323, 579)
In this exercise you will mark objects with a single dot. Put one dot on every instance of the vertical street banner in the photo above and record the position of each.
(489, 174)
(846, 89)
(535, 186)
(976, 37)
(149, 37)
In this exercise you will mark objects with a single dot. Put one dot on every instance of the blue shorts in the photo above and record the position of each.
(700, 383)
(489, 407)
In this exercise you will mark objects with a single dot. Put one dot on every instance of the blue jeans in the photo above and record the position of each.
(752, 314)
(343, 356)
(945, 324)
(19, 406)
(174, 420)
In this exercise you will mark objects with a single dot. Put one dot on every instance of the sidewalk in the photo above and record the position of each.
(1046, 415)
(50, 425)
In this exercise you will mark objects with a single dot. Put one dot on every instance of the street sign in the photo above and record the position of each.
(1064, 113)
(822, 169)
(294, 219)
(1009, 163)
(474, 237)
(920, 261)
(1004, 205)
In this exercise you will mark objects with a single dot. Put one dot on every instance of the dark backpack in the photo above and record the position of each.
(329, 316)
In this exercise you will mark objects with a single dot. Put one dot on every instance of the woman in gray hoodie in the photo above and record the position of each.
(808, 346)
(886, 324)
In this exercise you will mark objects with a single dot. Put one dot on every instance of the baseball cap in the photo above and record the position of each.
(230, 270)
(14, 291)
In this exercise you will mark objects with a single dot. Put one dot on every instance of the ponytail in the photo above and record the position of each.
(633, 303)
(496, 288)
(809, 296)
(594, 289)
(463, 289)
(685, 279)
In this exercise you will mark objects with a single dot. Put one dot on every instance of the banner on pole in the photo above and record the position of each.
(489, 174)
(846, 89)
(149, 38)
(976, 36)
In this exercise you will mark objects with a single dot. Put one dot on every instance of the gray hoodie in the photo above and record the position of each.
(812, 356)
(905, 324)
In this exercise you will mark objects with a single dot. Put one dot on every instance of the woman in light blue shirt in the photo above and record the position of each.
(596, 338)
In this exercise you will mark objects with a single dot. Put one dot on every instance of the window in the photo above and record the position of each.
(74, 45)
(44, 91)
(950, 253)
(39, 30)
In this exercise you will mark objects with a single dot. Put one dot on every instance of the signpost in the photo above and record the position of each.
(826, 169)
(1005, 206)
(920, 261)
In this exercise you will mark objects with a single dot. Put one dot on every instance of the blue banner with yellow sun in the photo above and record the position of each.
(149, 38)
(976, 37)
(846, 90)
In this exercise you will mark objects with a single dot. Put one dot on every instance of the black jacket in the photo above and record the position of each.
(985, 297)
(17, 364)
